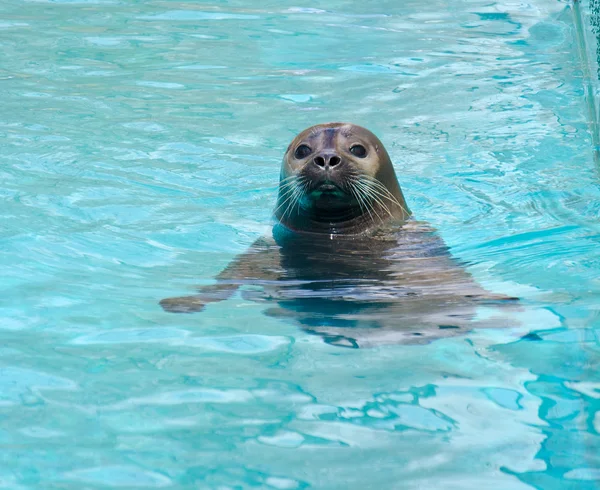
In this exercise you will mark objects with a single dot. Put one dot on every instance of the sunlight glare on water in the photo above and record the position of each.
(141, 144)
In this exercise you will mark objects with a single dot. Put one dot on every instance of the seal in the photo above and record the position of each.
(346, 260)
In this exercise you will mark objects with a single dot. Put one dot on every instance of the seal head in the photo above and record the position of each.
(337, 179)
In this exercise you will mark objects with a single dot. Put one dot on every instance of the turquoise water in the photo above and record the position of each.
(140, 153)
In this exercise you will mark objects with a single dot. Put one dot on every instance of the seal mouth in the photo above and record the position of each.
(327, 187)
(327, 190)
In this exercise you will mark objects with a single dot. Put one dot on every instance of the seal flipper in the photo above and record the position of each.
(259, 262)
(196, 302)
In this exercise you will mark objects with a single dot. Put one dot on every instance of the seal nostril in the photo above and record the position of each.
(320, 161)
(334, 160)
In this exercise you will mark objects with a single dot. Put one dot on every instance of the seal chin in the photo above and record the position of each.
(328, 191)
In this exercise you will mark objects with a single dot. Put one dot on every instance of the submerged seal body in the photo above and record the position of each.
(346, 260)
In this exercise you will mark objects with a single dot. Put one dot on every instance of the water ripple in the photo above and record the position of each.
(141, 145)
(120, 476)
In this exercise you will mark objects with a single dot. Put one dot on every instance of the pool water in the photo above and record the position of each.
(140, 152)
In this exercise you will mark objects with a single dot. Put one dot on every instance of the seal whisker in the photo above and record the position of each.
(365, 194)
(359, 193)
(352, 187)
(287, 187)
(288, 179)
(288, 182)
(358, 200)
(293, 205)
(375, 195)
(370, 192)
(386, 194)
(297, 192)
(289, 192)
(361, 203)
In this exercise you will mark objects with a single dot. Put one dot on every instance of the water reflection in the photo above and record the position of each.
(398, 286)
(139, 152)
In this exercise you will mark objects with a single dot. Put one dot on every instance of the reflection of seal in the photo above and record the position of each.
(345, 259)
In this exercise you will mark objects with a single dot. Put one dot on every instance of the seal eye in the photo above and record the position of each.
(359, 151)
(302, 152)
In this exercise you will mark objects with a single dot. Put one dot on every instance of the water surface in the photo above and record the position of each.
(141, 144)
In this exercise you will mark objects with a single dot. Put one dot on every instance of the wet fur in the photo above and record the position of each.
(372, 277)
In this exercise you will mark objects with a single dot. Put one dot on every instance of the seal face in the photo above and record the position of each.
(337, 179)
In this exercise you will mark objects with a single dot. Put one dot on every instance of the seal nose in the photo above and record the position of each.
(327, 160)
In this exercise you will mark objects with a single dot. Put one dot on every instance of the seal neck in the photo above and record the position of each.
(351, 221)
